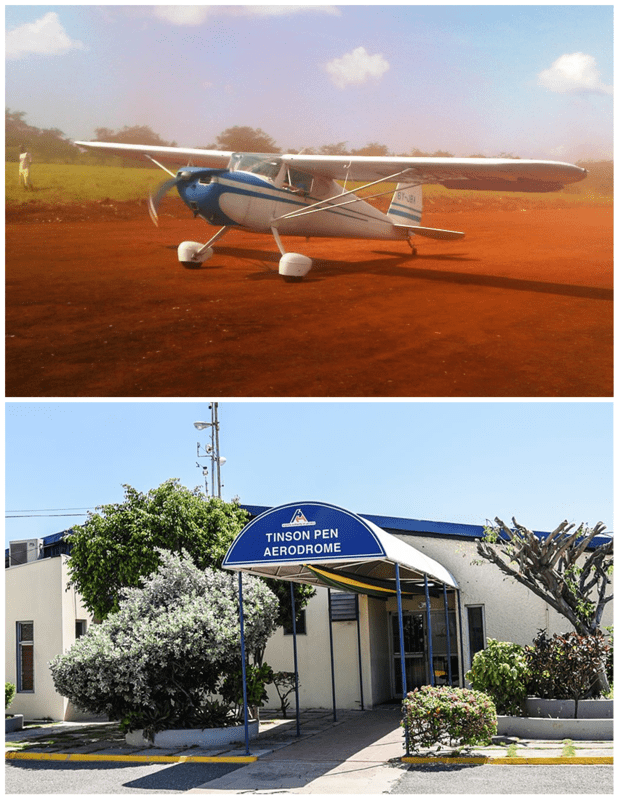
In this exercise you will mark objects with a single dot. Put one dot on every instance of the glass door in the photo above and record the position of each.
(413, 648)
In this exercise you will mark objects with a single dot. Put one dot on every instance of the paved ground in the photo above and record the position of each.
(361, 753)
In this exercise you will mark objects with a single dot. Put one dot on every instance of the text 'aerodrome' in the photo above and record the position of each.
(318, 542)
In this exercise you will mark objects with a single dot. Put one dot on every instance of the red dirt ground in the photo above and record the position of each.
(97, 305)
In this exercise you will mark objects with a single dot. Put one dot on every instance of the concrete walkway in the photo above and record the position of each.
(360, 753)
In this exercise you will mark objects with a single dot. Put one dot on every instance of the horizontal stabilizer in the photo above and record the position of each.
(433, 233)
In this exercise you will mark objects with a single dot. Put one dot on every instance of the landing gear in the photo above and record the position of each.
(193, 254)
(292, 266)
(412, 248)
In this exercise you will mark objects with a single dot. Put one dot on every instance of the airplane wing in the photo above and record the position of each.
(515, 175)
(175, 155)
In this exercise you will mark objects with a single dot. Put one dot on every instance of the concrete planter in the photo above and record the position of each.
(194, 737)
(548, 728)
(565, 709)
(14, 723)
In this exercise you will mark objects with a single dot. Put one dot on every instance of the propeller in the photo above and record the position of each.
(154, 201)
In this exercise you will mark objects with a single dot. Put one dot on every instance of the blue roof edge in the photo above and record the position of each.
(455, 530)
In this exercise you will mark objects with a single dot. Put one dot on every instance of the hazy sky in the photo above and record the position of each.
(530, 80)
(457, 462)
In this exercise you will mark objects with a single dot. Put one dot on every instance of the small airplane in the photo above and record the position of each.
(307, 195)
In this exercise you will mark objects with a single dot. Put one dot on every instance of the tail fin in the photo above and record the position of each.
(406, 209)
(406, 206)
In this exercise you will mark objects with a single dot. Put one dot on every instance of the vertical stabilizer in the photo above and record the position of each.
(407, 205)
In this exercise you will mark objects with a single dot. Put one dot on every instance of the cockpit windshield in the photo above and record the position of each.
(265, 164)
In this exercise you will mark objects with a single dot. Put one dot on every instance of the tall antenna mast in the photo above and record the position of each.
(211, 451)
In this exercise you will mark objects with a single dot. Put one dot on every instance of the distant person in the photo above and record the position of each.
(25, 159)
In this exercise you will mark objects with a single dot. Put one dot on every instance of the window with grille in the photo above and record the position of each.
(25, 657)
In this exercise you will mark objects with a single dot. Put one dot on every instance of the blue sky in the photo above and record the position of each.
(466, 462)
(530, 80)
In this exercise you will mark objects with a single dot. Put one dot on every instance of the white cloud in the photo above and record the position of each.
(183, 15)
(574, 73)
(356, 68)
(45, 36)
(197, 15)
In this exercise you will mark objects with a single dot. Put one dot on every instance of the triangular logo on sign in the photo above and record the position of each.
(298, 518)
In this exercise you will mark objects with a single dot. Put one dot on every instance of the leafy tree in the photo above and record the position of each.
(46, 145)
(559, 569)
(339, 149)
(116, 546)
(372, 149)
(169, 648)
(245, 139)
(134, 134)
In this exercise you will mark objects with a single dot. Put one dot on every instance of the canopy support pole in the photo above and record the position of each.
(402, 654)
(461, 663)
(448, 637)
(295, 658)
(360, 660)
(428, 603)
(244, 666)
(332, 656)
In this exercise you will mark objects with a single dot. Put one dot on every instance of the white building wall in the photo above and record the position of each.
(36, 592)
(511, 612)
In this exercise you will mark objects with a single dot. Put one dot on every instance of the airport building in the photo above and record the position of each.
(379, 581)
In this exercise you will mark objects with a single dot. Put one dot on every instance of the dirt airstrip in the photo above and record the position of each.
(97, 305)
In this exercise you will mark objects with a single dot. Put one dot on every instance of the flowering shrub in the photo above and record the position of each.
(448, 715)
(501, 671)
(158, 660)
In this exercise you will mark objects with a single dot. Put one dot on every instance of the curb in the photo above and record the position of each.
(514, 760)
(14, 755)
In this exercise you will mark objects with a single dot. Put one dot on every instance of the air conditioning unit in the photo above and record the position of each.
(23, 551)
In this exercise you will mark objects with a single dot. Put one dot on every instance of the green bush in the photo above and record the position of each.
(9, 694)
(502, 672)
(565, 666)
(161, 659)
(436, 715)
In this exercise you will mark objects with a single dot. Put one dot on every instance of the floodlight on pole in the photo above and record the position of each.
(211, 451)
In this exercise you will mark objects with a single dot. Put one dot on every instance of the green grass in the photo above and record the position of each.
(568, 750)
(73, 183)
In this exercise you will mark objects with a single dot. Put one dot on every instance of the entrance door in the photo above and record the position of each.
(414, 651)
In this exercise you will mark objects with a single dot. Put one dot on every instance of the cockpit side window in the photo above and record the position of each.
(299, 181)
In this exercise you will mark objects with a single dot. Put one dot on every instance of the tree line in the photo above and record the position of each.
(52, 146)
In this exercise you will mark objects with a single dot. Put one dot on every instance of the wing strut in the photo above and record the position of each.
(165, 169)
(327, 204)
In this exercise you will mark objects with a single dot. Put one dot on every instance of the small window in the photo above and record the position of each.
(80, 627)
(301, 625)
(476, 630)
(25, 657)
